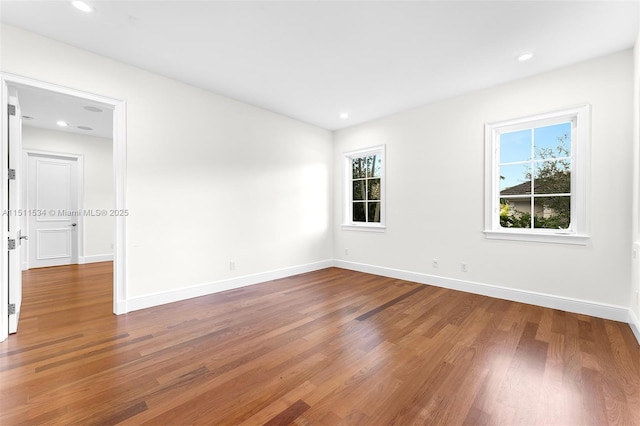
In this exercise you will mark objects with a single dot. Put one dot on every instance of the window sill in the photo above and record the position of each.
(540, 237)
(365, 228)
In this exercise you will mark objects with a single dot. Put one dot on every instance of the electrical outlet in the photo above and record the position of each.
(435, 263)
(463, 267)
(346, 252)
(232, 265)
(637, 297)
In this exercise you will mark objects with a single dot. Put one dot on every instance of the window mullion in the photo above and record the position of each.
(532, 171)
(366, 199)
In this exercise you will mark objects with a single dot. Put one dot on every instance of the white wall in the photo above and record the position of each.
(209, 180)
(635, 277)
(435, 187)
(98, 181)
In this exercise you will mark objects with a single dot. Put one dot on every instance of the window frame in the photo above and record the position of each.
(577, 233)
(347, 211)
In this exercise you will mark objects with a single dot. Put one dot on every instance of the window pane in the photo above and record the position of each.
(552, 212)
(373, 189)
(515, 146)
(553, 177)
(374, 164)
(515, 213)
(374, 212)
(515, 179)
(359, 212)
(358, 189)
(358, 166)
(552, 141)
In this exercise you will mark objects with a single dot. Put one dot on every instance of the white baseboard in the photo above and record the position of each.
(95, 258)
(634, 323)
(120, 307)
(156, 299)
(600, 310)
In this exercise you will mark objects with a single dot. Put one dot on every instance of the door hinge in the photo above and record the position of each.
(12, 308)
(12, 174)
(12, 244)
(12, 109)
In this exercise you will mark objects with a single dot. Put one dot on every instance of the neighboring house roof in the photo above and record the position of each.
(520, 189)
(542, 186)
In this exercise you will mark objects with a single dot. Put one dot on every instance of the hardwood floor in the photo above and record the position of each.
(324, 348)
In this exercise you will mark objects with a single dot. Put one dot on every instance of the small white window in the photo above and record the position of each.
(364, 179)
(536, 177)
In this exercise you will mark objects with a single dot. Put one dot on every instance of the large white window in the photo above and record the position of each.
(364, 189)
(536, 180)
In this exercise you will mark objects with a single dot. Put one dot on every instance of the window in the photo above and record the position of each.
(536, 177)
(364, 189)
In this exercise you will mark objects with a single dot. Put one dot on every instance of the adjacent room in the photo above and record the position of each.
(320, 212)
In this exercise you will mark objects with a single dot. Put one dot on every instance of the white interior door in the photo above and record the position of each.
(52, 204)
(15, 209)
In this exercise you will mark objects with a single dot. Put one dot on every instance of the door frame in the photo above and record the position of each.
(79, 234)
(119, 176)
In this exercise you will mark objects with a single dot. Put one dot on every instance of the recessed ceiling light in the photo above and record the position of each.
(27, 117)
(80, 5)
(344, 115)
(62, 123)
(524, 57)
(84, 128)
(92, 109)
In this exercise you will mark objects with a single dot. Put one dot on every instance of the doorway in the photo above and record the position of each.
(56, 244)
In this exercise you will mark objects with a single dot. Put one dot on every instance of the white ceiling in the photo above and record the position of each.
(43, 109)
(313, 60)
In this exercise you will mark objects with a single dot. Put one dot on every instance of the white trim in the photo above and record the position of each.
(634, 323)
(4, 165)
(585, 307)
(119, 171)
(94, 258)
(365, 228)
(542, 237)
(580, 146)
(120, 225)
(156, 299)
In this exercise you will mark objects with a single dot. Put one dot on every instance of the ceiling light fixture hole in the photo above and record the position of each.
(80, 5)
(524, 57)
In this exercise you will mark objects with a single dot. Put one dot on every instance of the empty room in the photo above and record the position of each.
(320, 212)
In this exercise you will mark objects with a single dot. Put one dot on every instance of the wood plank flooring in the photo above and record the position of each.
(332, 347)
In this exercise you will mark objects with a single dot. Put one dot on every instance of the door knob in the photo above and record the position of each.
(74, 224)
